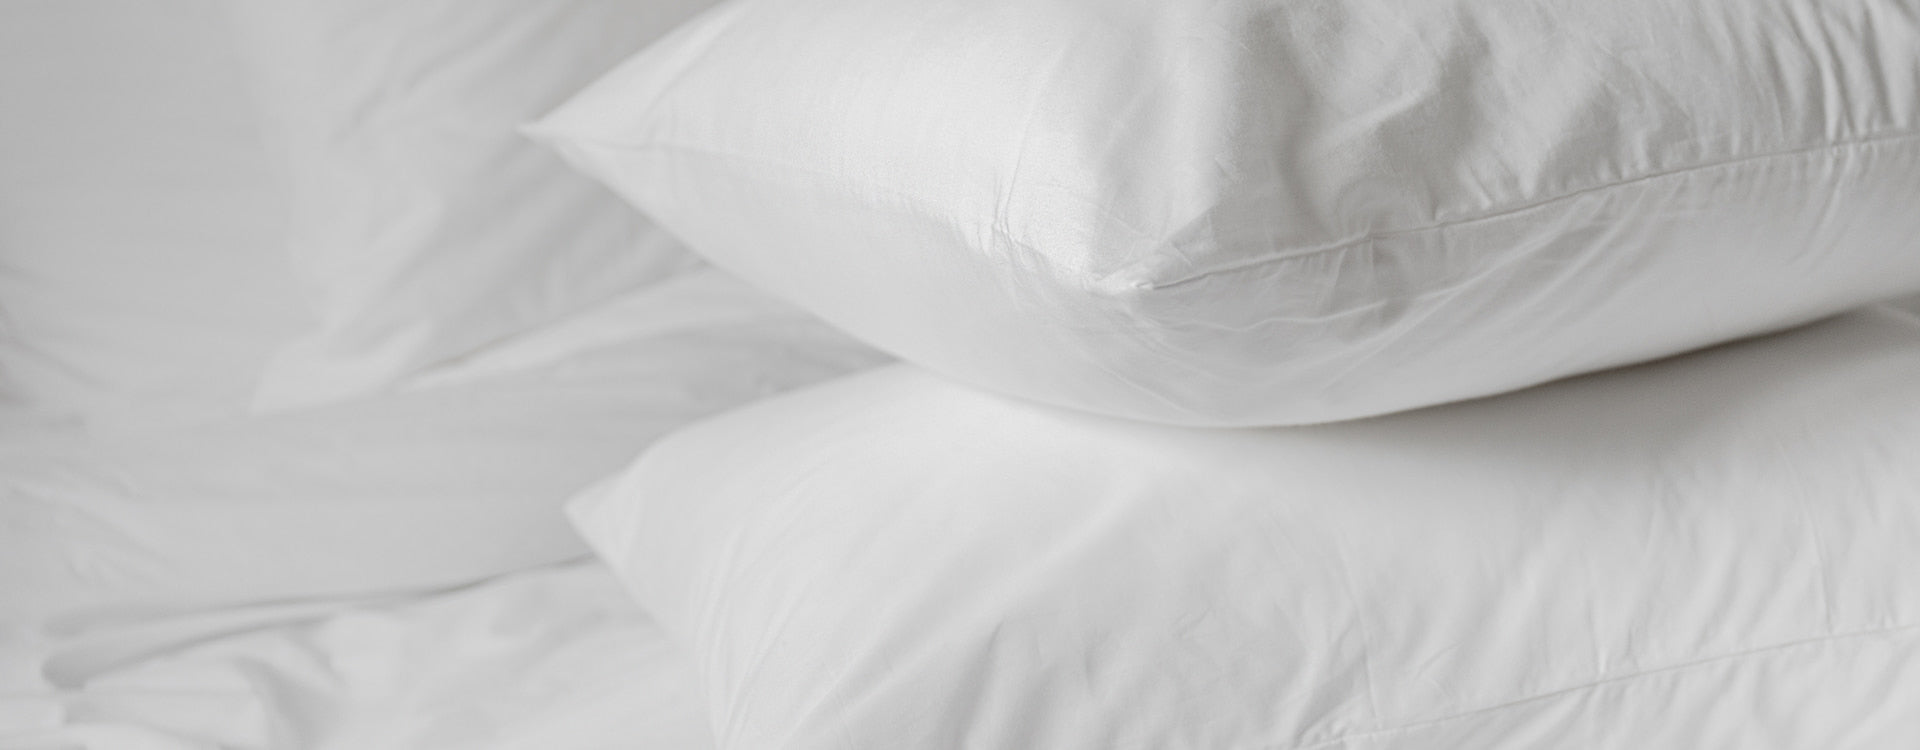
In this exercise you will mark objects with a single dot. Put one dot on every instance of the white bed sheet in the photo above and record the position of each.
(557, 658)
(176, 574)
(141, 275)
(281, 581)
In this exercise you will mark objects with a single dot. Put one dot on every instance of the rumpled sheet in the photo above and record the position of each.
(556, 658)
(142, 279)
(270, 582)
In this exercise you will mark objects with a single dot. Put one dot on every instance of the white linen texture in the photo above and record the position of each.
(423, 224)
(167, 587)
(1082, 220)
(1718, 550)
(140, 282)
(1265, 212)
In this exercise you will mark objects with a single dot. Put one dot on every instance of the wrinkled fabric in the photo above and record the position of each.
(422, 223)
(140, 282)
(1266, 212)
(556, 658)
(424, 488)
(1719, 550)
(270, 581)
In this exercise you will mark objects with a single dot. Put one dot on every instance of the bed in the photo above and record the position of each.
(391, 374)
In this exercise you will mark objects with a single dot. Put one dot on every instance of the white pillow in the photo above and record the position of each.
(424, 223)
(1267, 212)
(1721, 550)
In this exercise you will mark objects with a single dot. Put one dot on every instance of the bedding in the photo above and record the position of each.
(423, 224)
(411, 490)
(1717, 550)
(1262, 212)
(556, 658)
(371, 574)
(137, 215)
(1707, 551)
(213, 585)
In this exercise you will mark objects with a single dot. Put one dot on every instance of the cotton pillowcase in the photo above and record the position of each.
(424, 224)
(1266, 212)
(1720, 550)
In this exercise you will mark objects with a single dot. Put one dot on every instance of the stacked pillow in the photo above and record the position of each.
(1267, 213)
(1259, 212)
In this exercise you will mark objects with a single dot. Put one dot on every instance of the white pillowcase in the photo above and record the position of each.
(1721, 550)
(1267, 212)
(424, 223)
